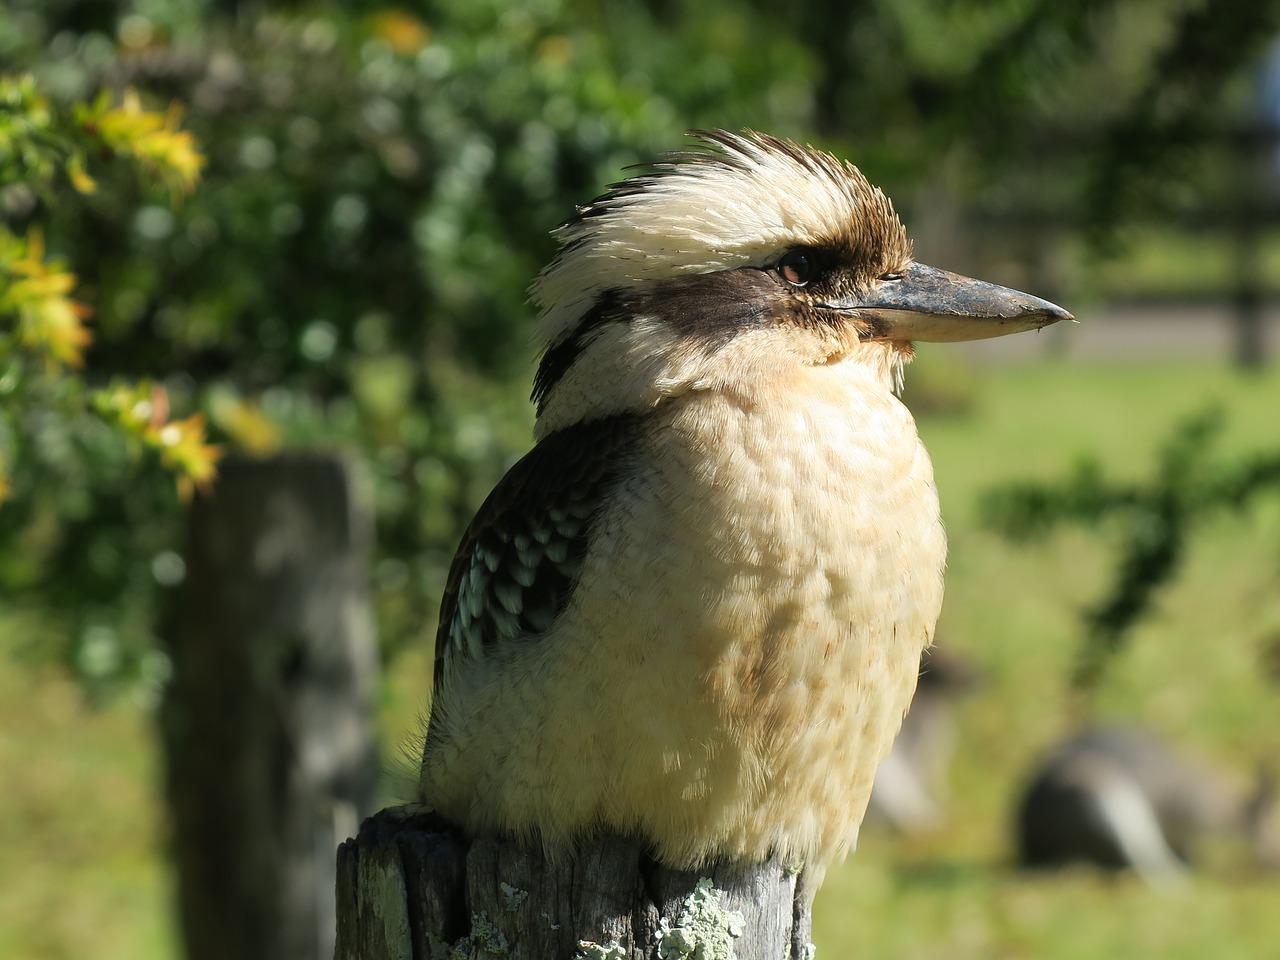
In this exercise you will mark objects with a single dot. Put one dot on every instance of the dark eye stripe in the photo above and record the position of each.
(557, 360)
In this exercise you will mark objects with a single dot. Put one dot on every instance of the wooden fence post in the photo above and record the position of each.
(1253, 192)
(410, 888)
(267, 723)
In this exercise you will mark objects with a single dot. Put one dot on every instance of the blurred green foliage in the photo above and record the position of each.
(1153, 520)
(380, 185)
(49, 412)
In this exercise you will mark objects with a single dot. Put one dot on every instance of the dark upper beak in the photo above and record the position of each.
(925, 303)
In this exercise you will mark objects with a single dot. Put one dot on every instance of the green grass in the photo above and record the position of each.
(82, 833)
(81, 823)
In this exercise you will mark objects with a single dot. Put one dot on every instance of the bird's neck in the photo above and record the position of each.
(637, 368)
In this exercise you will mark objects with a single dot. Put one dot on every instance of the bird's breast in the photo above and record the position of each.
(816, 514)
(771, 573)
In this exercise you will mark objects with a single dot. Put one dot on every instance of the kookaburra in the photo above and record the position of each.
(694, 612)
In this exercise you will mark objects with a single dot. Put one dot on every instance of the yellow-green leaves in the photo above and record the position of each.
(41, 147)
(141, 412)
(32, 147)
(35, 295)
(43, 331)
(151, 139)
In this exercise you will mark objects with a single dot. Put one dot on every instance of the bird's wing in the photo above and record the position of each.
(519, 559)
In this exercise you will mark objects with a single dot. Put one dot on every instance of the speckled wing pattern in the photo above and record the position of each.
(519, 560)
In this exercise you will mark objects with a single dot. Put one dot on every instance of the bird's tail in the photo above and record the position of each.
(1132, 820)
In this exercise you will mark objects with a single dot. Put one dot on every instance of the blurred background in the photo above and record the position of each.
(346, 271)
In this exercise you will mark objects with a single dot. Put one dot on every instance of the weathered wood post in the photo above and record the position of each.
(1254, 194)
(268, 720)
(410, 888)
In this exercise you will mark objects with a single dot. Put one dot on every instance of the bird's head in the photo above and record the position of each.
(729, 265)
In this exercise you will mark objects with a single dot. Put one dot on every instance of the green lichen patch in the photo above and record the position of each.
(590, 950)
(704, 930)
(514, 895)
(484, 940)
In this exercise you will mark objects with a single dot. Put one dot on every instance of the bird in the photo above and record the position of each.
(1119, 797)
(693, 613)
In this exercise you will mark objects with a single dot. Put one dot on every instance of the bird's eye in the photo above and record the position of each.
(890, 277)
(796, 268)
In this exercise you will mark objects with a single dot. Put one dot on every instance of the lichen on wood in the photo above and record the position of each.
(486, 898)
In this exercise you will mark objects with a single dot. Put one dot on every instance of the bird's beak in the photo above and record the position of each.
(925, 303)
